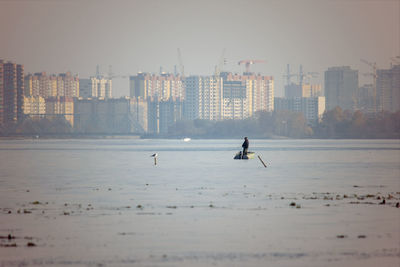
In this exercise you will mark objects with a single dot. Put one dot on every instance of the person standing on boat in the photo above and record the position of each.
(245, 146)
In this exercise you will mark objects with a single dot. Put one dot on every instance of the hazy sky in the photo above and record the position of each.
(75, 35)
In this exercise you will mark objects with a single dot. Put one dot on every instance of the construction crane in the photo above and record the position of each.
(248, 62)
(221, 62)
(374, 76)
(288, 75)
(301, 75)
(182, 68)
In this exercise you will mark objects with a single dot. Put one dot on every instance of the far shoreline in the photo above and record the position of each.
(165, 137)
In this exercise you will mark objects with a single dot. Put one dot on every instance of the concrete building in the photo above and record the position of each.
(61, 106)
(341, 85)
(41, 84)
(231, 96)
(95, 87)
(110, 116)
(311, 90)
(306, 90)
(388, 89)
(235, 104)
(204, 98)
(259, 91)
(34, 106)
(11, 92)
(365, 101)
(163, 114)
(162, 87)
(312, 107)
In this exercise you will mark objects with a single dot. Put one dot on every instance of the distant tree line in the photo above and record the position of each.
(36, 126)
(336, 123)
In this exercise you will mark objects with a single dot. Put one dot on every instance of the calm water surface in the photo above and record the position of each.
(104, 202)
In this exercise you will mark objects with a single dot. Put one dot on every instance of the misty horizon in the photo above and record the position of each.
(133, 36)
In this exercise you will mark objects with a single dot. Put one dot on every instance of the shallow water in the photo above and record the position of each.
(104, 202)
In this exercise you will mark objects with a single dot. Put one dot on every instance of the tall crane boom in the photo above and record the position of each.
(248, 62)
(182, 68)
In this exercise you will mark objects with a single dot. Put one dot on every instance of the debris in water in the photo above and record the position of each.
(292, 204)
(31, 244)
(36, 203)
(341, 236)
(361, 236)
(8, 245)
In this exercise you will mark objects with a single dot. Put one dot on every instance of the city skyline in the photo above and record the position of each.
(132, 36)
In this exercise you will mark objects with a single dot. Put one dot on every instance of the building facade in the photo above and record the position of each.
(95, 87)
(312, 107)
(162, 87)
(34, 106)
(259, 91)
(365, 99)
(230, 96)
(61, 106)
(41, 84)
(163, 114)
(11, 92)
(110, 116)
(305, 90)
(204, 98)
(388, 89)
(341, 84)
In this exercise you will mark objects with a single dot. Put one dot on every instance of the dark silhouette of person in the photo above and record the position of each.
(245, 146)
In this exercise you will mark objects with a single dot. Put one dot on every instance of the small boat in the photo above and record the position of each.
(249, 155)
(187, 139)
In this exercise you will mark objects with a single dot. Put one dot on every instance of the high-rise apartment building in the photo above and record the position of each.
(95, 87)
(163, 114)
(34, 106)
(162, 87)
(365, 101)
(111, 116)
(230, 96)
(235, 104)
(259, 91)
(61, 106)
(303, 90)
(341, 84)
(41, 84)
(388, 89)
(311, 90)
(1, 93)
(11, 92)
(312, 107)
(204, 98)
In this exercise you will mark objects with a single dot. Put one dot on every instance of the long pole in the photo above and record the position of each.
(262, 161)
